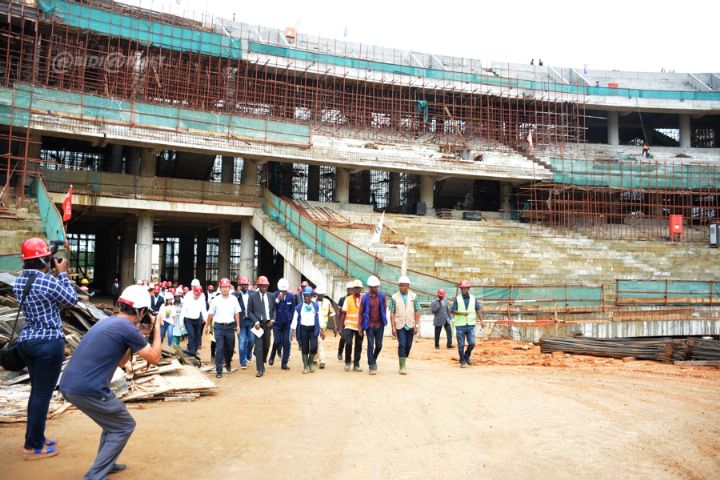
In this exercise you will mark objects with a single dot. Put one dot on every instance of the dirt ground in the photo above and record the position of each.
(515, 414)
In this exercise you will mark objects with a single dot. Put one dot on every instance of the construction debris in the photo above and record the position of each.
(173, 379)
(661, 349)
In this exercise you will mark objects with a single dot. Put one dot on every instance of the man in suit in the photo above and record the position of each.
(245, 336)
(261, 310)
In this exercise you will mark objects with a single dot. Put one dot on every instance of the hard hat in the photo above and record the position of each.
(320, 290)
(441, 293)
(195, 282)
(307, 291)
(464, 284)
(169, 296)
(404, 279)
(357, 283)
(243, 280)
(350, 285)
(224, 282)
(283, 285)
(262, 280)
(156, 289)
(34, 248)
(84, 281)
(135, 296)
(373, 281)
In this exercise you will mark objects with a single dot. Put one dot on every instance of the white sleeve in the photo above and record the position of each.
(295, 319)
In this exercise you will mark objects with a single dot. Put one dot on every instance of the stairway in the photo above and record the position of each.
(19, 224)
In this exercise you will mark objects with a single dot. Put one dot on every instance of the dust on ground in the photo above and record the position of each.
(516, 413)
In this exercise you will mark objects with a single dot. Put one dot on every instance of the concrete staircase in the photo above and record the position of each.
(19, 224)
(502, 252)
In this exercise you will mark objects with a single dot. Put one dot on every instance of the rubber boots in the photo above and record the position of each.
(306, 366)
(403, 371)
(311, 363)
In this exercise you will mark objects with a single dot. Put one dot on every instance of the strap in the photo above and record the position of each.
(26, 290)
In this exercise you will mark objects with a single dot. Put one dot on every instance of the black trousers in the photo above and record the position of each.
(448, 334)
(262, 347)
(350, 335)
(308, 340)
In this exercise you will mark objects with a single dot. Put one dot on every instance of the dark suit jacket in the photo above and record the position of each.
(243, 306)
(256, 310)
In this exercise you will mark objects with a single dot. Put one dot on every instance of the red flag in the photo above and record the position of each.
(67, 205)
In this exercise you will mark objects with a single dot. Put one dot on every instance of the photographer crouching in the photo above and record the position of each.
(86, 380)
(41, 343)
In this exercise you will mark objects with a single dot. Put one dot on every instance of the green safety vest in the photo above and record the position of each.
(470, 318)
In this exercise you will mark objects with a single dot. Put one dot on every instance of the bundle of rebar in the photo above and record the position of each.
(659, 349)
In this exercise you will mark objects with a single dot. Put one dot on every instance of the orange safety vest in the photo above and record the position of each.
(352, 315)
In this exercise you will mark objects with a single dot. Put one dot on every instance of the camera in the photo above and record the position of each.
(54, 247)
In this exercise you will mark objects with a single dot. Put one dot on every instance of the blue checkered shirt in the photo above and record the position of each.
(42, 305)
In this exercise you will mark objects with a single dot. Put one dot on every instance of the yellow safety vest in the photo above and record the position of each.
(470, 318)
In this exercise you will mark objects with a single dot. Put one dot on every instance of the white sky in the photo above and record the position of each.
(636, 35)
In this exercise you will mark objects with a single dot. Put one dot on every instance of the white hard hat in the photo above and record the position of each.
(169, 296)
(350, 284)
(135, 296)
(320, 290)
(283, 284)
(373, 281)
(404, 279)
(195, 282)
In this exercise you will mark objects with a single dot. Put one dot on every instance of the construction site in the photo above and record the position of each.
(575, 202)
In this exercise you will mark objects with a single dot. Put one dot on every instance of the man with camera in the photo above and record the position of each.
(41, 343)
(86, 380)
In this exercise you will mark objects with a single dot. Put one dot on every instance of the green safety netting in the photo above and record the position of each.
(670, 291)
(146, 32)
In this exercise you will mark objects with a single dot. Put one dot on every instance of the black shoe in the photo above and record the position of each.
(118, 467)
(437, 347)
(285, 367)
(449, 346)
(468, 362)
(218, 375)
(271, 361)
(340, 356)
(227, 368)
(259, 374)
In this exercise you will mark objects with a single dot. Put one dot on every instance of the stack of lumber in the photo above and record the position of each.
(661, 349)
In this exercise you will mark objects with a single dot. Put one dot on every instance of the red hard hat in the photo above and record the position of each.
(34, 248)
(156, 289)
(464, 284)
(224, 282)
(441, 293)
(262, 280)
(243, 280)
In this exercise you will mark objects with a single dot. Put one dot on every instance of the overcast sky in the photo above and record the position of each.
(610, 34)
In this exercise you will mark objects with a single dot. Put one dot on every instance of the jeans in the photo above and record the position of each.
(194, 329)
(166, 327)
(281, 337)
(349, 335)
(405, 341)
(245, 341)
(308, 339)
(374, 344)
(262, 347)
(463, 333)
(117, 425)
(224, 345)
(448, 334)
(44, 359)
(341, 343)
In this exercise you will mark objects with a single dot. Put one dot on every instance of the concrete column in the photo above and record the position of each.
(105, 267)
(505, 197)
(148, 163)
(292, 274)
(161, 261)
(143, 250)
(132, 160)
(613, 127)
(427, 191)
(247, 248)
(116, 157)
(313, 192)
(685, 131)
(342, 185)
(228, 170)
(394, 190)
(201, 257)
(249, 176)
(34, 147)
(224, 250)
(186, 258)
(127, 253)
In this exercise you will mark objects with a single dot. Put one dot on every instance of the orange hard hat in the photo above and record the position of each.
(464, 284)
(224, 282)
(34, 248)
(441, 293)
(262, 280)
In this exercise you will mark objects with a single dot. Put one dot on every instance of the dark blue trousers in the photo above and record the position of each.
(374, 344)
(281, 337)
(224, 345)
(405, 341)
